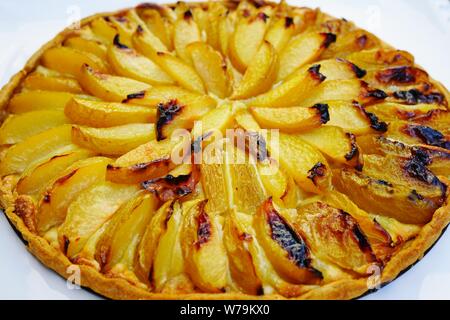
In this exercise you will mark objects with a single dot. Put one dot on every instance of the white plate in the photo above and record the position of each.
(420, 27)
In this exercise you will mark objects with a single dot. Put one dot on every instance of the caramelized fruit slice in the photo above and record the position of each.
(117, 247)
(168, 260)
(336, 144)
(246, 40)
(304, 163)
(174, 115)
(203, 250)
(285, 248)
(101, 114)
(241, 264)
(36, 177)
(280, 33)
(34, 149)
(17, 128)
(108, 87)
(303, 49)
(146, 249)
(400, 188)
(335, 236)
(260, 74)
(347, 90)
(64, 189)
(113, 140)
(88, 213)
(292, 92)
(87, 45)
(292, 120)
(148, 161)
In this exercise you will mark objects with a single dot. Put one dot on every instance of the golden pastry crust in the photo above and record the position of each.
(115, 288)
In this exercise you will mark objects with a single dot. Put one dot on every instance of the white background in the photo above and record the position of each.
(421, 27)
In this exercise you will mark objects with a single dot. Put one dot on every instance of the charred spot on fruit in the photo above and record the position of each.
(354, 150)
(428, 135)
(322, 111)
(117, 43)
(246, 13)
(417, 170)
(383, 183)
(368, 92)
(137, 95)
(286, 237)
(66, 243)
(398, 75)
(288, 22)
(63, 179)
(204, 226)
(362, 41)
(328, 39)
(187, 15)
(318, 171)
(375, 123)
(171, 187)
(139, 29)
(166, 112)
(47, 197)
(314, 72)
(359, 73)
(414, 96)
(263, 17)
(150, 5)
(415, 196)
(245, 237)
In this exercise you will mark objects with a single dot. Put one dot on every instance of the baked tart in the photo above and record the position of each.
(225, 150)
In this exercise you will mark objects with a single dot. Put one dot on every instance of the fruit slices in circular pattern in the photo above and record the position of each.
(348, 189)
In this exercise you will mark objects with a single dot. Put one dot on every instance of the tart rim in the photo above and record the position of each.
(116, 288)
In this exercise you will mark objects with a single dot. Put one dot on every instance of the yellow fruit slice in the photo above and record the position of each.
(186, 31)
(260, 74)
(103, 29)
(38, 176)
(246, 40)
(34, 149)
(17, 128)
(338, 145)
(304, 163)
(38, 100)
(128, 63)
(87, 45)
(107, 114)
(117, 246)
(89, 211)
(211, 67)
(203, 250)
(61, 192)
(38, 81)
(114, 140)
(303, 49)
(147, 43)
(280, 33)
(180, 71)
(68, 60)
(148, 161)
(108, 87)
(291, 120)
(292, 92)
